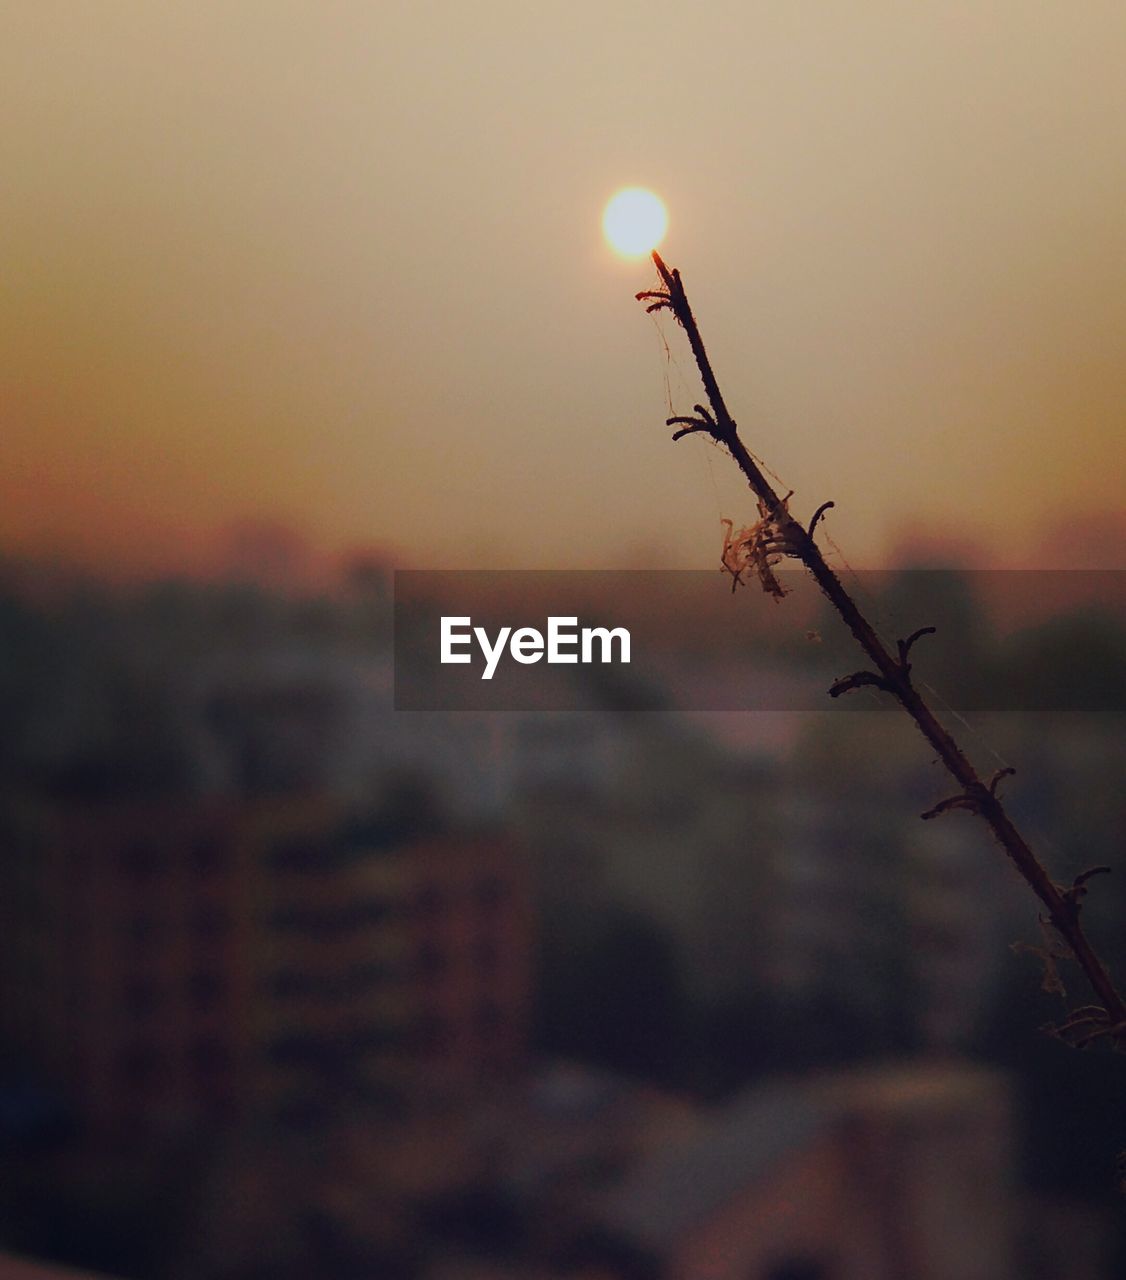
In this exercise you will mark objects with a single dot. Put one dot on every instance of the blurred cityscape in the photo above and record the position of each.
(297, 985)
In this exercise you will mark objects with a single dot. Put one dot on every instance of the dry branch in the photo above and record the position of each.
(779, 533)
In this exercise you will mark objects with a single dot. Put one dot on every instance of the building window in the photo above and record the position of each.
(287, 984)
(140, 929)
(329, 922)
(140, 998)
(373, 1036)
(431, 1034)
(207, 855)
(487, 1017)
(204, 989)
(429, 902)
(432, 962)
(141, 1068)
(209, 1057)
(486, 954)
(489, 893)
(305, 1050)
(370, 975)
(299, 855)
(210, 922)
(139, 860)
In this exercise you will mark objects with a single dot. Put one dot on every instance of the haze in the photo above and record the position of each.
(340, 266)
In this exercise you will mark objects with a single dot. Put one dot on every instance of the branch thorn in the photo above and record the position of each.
(905, 645)
(858, 680)
(960, 801)
(703, 422)
(825, 506)
(1079, 890)
(1007, 772)
(663, 299)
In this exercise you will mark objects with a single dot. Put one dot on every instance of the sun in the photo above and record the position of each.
(634, 222)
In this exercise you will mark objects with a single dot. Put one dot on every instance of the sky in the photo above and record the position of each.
(338, 267)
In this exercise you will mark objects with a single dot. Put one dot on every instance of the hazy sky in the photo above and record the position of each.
(340, 265)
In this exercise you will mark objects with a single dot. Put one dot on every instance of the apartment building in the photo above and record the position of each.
(180, 960)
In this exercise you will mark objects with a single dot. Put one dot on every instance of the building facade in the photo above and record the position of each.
(174, 961)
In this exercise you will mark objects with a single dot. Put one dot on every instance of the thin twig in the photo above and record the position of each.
(893, 673)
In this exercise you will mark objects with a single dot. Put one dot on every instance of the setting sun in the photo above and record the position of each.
(634, 222)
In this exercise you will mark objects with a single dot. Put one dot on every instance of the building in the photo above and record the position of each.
(171, 961)
(889, 1174)
(895, 1173)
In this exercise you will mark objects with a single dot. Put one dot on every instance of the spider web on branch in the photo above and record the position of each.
(679, 397)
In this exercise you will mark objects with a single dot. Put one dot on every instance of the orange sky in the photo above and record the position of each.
(339, 265)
